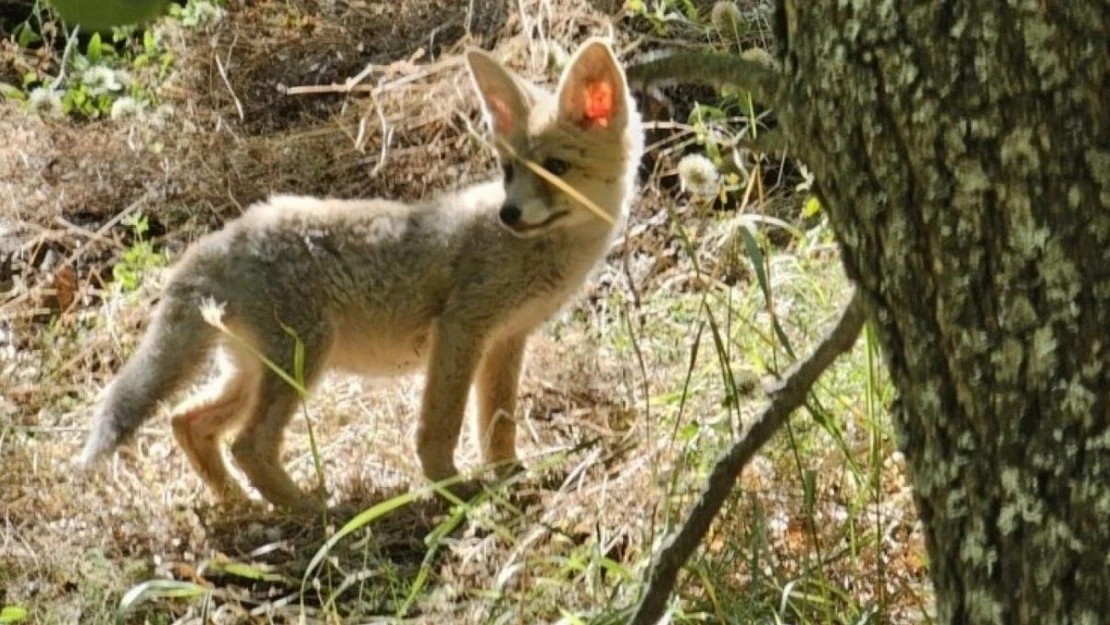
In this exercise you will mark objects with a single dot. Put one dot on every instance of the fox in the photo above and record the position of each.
(453, 285)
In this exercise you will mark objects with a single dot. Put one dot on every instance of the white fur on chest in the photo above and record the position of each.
(380, 354)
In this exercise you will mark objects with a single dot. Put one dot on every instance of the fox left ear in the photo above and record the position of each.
(505, 103)
(592, 91)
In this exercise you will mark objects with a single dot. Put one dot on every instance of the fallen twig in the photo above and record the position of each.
(220, 66)
(785, 398)
(71, 42)
(374, 90)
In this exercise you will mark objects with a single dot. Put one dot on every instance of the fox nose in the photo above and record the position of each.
(510, 214)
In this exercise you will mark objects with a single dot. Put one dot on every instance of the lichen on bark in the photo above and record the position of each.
(962, 151)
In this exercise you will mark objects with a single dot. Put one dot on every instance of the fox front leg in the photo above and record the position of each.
(498, 382)
(453, 360)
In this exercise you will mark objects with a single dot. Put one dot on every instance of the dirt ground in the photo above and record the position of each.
(623, 405)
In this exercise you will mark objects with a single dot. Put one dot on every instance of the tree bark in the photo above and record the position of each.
(963, 155)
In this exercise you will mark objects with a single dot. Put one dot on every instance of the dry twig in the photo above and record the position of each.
(785, 398)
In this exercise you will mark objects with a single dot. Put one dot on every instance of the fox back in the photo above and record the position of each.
(453, 285)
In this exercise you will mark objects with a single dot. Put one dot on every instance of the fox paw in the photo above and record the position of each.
(507, 469)
(464, 490)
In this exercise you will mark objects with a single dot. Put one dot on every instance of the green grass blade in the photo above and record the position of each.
(159, 589)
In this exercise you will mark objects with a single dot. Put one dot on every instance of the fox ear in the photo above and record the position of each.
(592, 91)
(505, 103)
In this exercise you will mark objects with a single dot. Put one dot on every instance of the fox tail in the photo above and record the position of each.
(172, 349)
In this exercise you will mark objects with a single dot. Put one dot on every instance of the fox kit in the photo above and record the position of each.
(454, 285)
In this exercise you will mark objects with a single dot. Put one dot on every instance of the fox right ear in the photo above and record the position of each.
(505, 103)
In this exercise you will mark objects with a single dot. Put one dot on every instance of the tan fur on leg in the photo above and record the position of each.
(498, 379)
(198, 423)
(257, 447)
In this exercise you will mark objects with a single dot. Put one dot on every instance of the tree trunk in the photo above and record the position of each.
(963, 155)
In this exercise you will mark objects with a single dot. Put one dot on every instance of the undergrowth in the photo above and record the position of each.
(113, 75)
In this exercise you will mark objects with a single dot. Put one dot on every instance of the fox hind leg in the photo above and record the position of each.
(257, 445)
(199, 422)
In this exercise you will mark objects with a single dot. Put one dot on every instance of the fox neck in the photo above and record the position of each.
(582, 246)
(594, 231)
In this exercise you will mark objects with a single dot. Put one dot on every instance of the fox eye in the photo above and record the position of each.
(507, 170)
(556, 166)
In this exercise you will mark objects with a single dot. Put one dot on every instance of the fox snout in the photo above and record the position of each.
(532, 220)
(510, 214)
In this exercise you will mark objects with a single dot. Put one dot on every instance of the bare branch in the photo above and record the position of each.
(785, 398)
(756, 74)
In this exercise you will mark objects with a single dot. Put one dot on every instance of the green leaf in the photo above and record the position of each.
(11, 92)
(104, 14)
(158, 589)
(138, 222)
(12, 614)
(93, 50)
(755, 256)
(30, 77)
(25, 35)
(122, 33)
(809, 488)
(811, 207)
(167, 61)
(247, 571)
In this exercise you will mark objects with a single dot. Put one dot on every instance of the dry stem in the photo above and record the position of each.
(787, 397)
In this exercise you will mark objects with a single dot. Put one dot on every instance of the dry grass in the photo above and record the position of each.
(624, 405)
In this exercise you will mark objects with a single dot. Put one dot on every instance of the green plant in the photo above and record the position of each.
(197, 13)
(661, 13)
(139, 259)
(12, 614)
(109, 75)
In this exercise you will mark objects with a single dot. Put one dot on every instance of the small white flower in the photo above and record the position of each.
(778, 523)
(161, 115)
(698, 174)
(44, 100)
(213, 312)
(127, 108)
(101, 79)
(807, 179)
(201, 12)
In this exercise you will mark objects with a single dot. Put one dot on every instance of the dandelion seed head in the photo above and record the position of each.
(102, 79)
(213, 312)
(45, 100)
(127, 108)
(726, 18)
(698, 174)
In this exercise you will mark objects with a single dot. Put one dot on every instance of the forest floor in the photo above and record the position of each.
(118, 152)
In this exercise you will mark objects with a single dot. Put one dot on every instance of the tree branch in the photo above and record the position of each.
(785, 398)
(755, 73)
